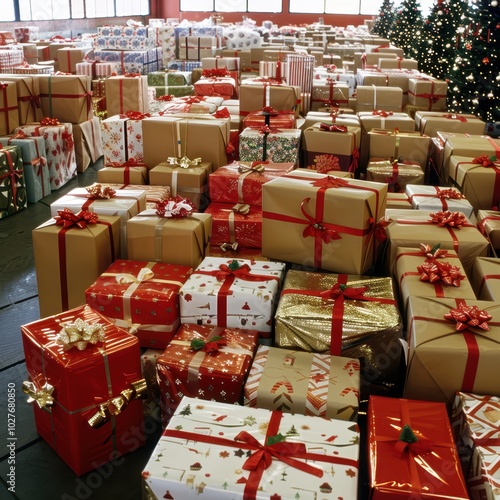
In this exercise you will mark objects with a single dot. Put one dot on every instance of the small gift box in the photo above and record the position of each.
(396, 174)
(125, 173)
(12, 183)
(28, 97)
(383, 119)
(207, 363)
(398, 201)
(223, 86)
(327, 93)
(266, 143)
(275, 119)
(126, 93)
(486, 278)
(304, 383)
(88, 143)
(154, 194)
(195, 48)
(69, 57)
(428, 93)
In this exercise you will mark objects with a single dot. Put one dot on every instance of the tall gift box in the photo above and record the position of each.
(114, 138)
(88, 143)
(12, 184)
(486, 278)
(428, 93)
(126, 93)
(234, 293)
(454, 345)
(304, 383)
(9, 116)
(85, 402)
(322, 221)
(395, 173)
(205, 362)
(28, 97)
(312, 456)
(276, 146)
(411, 451)
(143, 298)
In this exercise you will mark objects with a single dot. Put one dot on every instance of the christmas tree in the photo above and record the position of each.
(383, 24)
(474, 79)
(407, 29)
(439, 37)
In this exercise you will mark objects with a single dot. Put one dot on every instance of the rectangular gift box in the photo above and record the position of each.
(343, 210)
(75, 392)
(12, 183)
(88, 143)
(247, 299)
(28, 97)
(114, 139)
(412, 452)
(342, 117)
(328, 93)
(195, 48)
(126, 93)
(385, 63)
(142, 297)
(173, 90)
(396, 174)
(225, 87)
(486, 278)
(398, 201)
(431, 122)
(277, 120)
(373, 98)
(386, 120)
(447, 352)
(123, 42)
(166, 78)
(488, 222)
(428, 93)
(69, 57)
(154, 194)
(303, 383)
(9, 115)
(165, 39)
(125, 173)
(321, 454)
(132, 61)
(205, 362)
(279, 146)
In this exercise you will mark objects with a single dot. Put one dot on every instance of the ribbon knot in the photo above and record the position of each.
(100, 192)
(256, 166)
(333, 127)
(42, 396)
(268, 111)
(452, 116)
(382, 113)
(229, 246)
(484, 161)
(79, 334)
(349, 292)
(183, 162)
(434, 271)
(67, 218)
(433, 253)
(175, 208)
(316, 228)
(210, 347)
(449, 219)
(241, 208)
(166, 98)
(408, 441)
(234, 269)
(466, 317)
(215, 73)
(449, 194)
(329, 182)
(144, 274)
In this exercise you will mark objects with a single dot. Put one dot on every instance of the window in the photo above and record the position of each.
(231, 5)
(8, 13)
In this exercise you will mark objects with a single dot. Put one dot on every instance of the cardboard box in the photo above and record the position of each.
(485, 278)
(12, 181)
(428, 93)
(373, 98)
(397, 175)
(195, 48)
(154, 194)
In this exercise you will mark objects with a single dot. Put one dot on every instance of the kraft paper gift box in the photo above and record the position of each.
(182, 241)
(303, 383)
(385, 63)
(485, 278)
(126, 93)
(365, 323)
(126, 173)
(192, 137)
(68, 259)
(148, 366)
(327, 93)
(12, 184)
(427, 93)
(370, 98)
(141, 297)
(321, 221)
(399, 201)
(69, 57)
(231, 63)
(204, 362)
(240, 224)
(88, 143)
(190, 182)
(316, 463)
(438, 199)
(340, 118)
(66, 97)
(244, 56)
(488, 222)
(397, 175)
(453, 345)
(380, 119)
(125, 204)
(452, 230)
(9, 115)
(225, 87)
(234, 293)
(135, 150)
(123, 42)
(257, 93)
(164, 38)
(28, 97)
(154, 194)
(412, 451)
(264, 144)
(430, 122)
(241, 182)
(195, 48)
(74, 392)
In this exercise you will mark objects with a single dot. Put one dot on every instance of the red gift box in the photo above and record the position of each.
(142, 297)
(215, 369)
(428, 468)
(278, 119)
(72, 389)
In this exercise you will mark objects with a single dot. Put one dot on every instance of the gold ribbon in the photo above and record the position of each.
(183, 162)
(241, 208)
(79, 334)
(42, 397)
(114, 406)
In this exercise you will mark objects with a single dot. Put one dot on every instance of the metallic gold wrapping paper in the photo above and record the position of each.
(399, 178)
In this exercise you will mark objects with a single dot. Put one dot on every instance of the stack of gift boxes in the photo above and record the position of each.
(332, 259)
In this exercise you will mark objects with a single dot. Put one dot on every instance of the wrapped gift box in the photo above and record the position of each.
(433, 472)
(342, 117)
(122, 42)
(304, 383)
(9, 115)
(338, 76)
(216, 86)
(235, 224)
(26, 33)
(399, 63)
(447, 353)
(332, 463)
(398, 201)
(143, 298)
(154, 194)
(213, 295)
(195, 48)
(126, 173)
(125, 204)
(370, 98)
(275, 146)
(368, 326)
(132, 61)
(452, 230)
(175, 91)
(231, 63)
(88, 143)
(69, 57)
(170, 78)
(244, 56)
(149, 359)
(488, 222)
(380, 119)
(28, 97)
(126, 93)
(165, 39)
(181, 241)
(12, 183)
(277, 119)
(79, 421)
(123, 31)
(242, 182)
(485, 278)
(114, 138)
(327, 93)
(397, 175)
(135, 150)
(343, 209)
(427, 93)
(189, 368)
(430, 122)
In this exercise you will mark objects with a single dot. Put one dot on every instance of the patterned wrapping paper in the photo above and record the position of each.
(330, 447)
(303, 383)
(122, 31)
(236, 293)
(9, 59)
(225, 87)
(397, 175)
(486, 278)
(81, 384)
(132, 61)
(183, 65)
(143, 298)
(114, 138)
(165, 39)
(13, 197)
(277, 120)
(215, 371)
(123, 42)
(28, 97)
(25, 34)
(276, 146)
(321, 72)
(400, 467)
(168, 78)
(233, 224)
(135, 151)
(9, 116)
(195, 48)
(149, 359)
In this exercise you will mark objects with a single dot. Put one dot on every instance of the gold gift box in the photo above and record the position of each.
(486, 278)
(384, 171)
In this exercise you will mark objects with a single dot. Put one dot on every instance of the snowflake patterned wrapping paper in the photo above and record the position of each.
(9, 115)
(236, 293)
(216, 371)
(81, 384)
(276, 146)
(311, 456)
(13, 196)
(397, 175)
(303, 383)
(142, 296)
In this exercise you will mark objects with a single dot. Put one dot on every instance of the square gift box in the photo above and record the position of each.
(304, 383)
(396, 174)
(427, 93)
(266, 144)
(311, 456)
(236, 293)
(373, 98)
(141, 297)
(206, 363)
(28, 97)
(85, 402)
(12, 182)
(486, 278)
(9, 116)
(126, 93)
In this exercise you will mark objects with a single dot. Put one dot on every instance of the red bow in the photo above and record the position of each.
(333, 128)
(215, 73)
(379, 229)
(210, 347)
(165, 98)
(49, 122)
(349, 292)
(444, 272)
(68, 139)
(455, 117)
(434, 252)
(269, 111)
(98, 191)
(449, 194)
(132, 75)
(222, 113)
(67, 218)
(329, 181)
(266, 129)
(484, 161)
(225, 270)
(175, 208)
(317, 228)
(382, 113)
(450, 219)
(191, 99)
(468, 316)
(135, 115)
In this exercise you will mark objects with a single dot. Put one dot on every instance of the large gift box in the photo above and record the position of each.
(346, 315)
(143, 297)
(327, 93)
(370, 98)
(486, 278)
(195, 48)
(126, 93)
(267, 144)
(9, 116)
(85, 402)
(69, 57)
(380, 119)
(206, 363)
(427, 93)
(236, 293)
(395, 173)
(28, 97)
(322, 221)
(132, 61)
(304, 383)
(12, 184)
(127, 173)
(411, 451)
(308, 456)
(431, 122)
(453, 345)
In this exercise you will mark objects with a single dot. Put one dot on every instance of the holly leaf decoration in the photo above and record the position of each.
(275, 439)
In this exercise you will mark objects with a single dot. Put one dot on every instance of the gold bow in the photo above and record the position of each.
(42, 397)
(229, 246)
(241, 208)
(183, 162)
(259, 168)
(79, 334)
(116, 405)
(144, 274)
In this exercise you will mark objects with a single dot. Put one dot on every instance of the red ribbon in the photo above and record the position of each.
(333, 128)
(126, 165)
(47, 121)
(15, 175)
(439, 271)
(382, 113)
(215, 73)
(135, 115)
(450, 116)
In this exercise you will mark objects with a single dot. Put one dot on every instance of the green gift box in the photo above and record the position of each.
(162, 78)
(13, 196)
(175, 90)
